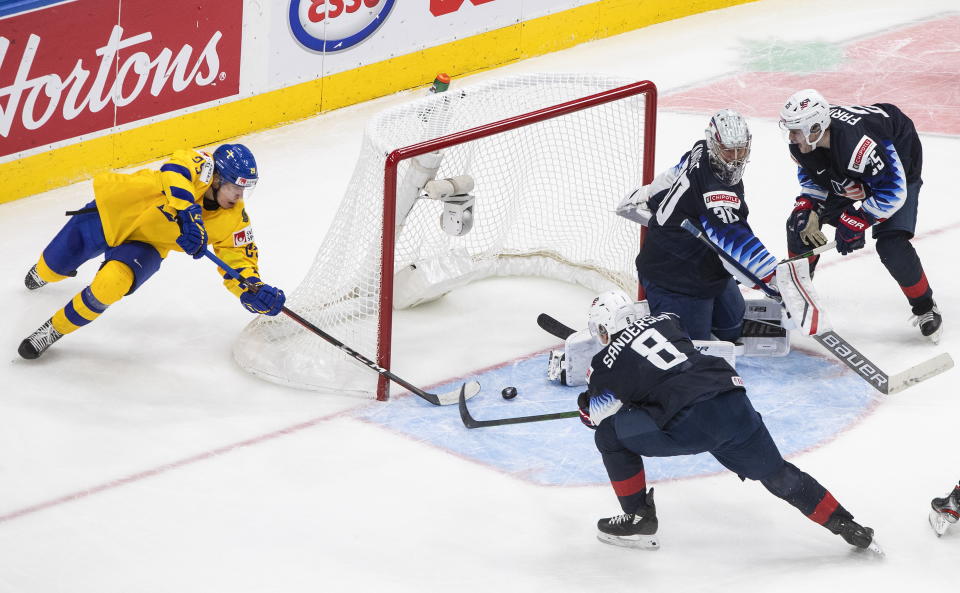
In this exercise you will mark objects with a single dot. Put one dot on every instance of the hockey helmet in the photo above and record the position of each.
(807, 112)
(611, 312)
(728, 145)
(235, 164)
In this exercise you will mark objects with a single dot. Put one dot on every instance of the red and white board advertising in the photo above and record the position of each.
(74, 68)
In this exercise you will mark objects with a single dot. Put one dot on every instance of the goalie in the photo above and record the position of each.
(680, 274)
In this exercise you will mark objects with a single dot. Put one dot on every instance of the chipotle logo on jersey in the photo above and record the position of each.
(715, 199)
(87, 66)
(861, 154)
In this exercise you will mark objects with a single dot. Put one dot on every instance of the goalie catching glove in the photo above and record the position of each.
(261, 298)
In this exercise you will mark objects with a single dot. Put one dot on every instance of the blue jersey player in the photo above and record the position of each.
(859, 167)
(678, 272)
(652, 394)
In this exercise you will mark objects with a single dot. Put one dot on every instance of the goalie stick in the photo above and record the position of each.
(471, 422)
(836, 345)
(465, 391)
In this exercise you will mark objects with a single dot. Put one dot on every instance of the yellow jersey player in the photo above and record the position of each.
(136, 219)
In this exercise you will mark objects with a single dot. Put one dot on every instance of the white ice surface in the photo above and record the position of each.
(136, 457)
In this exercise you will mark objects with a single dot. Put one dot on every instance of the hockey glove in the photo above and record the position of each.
(261, 298)
(193, 235)
(583, 404)
(804, 223)
(851, 229)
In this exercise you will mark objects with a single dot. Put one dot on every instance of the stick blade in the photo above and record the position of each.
(468, 389)
(554, 327)
(465, 416)
(921, 372)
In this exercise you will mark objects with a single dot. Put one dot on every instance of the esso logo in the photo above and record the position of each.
(335, 25)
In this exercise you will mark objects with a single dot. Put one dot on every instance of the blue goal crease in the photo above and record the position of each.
(562, 452)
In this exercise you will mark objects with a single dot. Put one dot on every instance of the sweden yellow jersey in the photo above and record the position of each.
(135, 207)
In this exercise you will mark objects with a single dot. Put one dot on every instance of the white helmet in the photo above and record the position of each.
(610, 312)
(808, 112)
(728, 144)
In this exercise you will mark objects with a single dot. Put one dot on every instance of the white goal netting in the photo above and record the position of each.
(544, 196)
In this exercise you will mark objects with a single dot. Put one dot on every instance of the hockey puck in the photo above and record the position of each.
(509, 392)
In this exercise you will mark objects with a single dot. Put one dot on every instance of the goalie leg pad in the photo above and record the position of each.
(578, 351)
(801, 306)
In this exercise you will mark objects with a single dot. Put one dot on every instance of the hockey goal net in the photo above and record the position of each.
(549, 156)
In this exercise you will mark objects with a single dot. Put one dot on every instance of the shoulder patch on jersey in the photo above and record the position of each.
(721, 198)
(861, 154)
(737, 380)
(242, 237)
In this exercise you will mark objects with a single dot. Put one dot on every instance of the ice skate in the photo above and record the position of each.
(38, 342)
(855, 534)
(931, 323)
(632, 530)
(556, 368)
(945, 511)
(33, 280)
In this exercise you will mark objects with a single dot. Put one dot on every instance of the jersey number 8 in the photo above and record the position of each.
(654, 352)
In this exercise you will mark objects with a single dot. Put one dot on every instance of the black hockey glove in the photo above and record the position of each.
(583, 404)
(803, 227)
(851, 229)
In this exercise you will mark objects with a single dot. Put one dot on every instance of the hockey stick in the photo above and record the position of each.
(811, 253)
(554, 327)
(836, 345)
(467, 390)
(471, 422)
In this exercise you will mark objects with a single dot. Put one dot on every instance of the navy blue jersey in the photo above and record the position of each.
(677, 261)
(653, 365)
(875, 146)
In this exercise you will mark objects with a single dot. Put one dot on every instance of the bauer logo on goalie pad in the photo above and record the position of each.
(243, 237)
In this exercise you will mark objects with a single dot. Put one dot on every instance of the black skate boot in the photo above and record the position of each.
(930, 323)
(854, 534)
(945, 511)
(38, 342)
(33, 280)
(632, 530)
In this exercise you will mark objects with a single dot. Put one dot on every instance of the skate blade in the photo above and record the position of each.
(875, 548)
(939, 522)
(639, 542)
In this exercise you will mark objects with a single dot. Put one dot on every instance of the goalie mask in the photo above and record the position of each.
(808, 113)
(728, 145)
(610, 312)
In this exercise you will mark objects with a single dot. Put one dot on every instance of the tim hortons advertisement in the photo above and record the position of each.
(75, 68)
